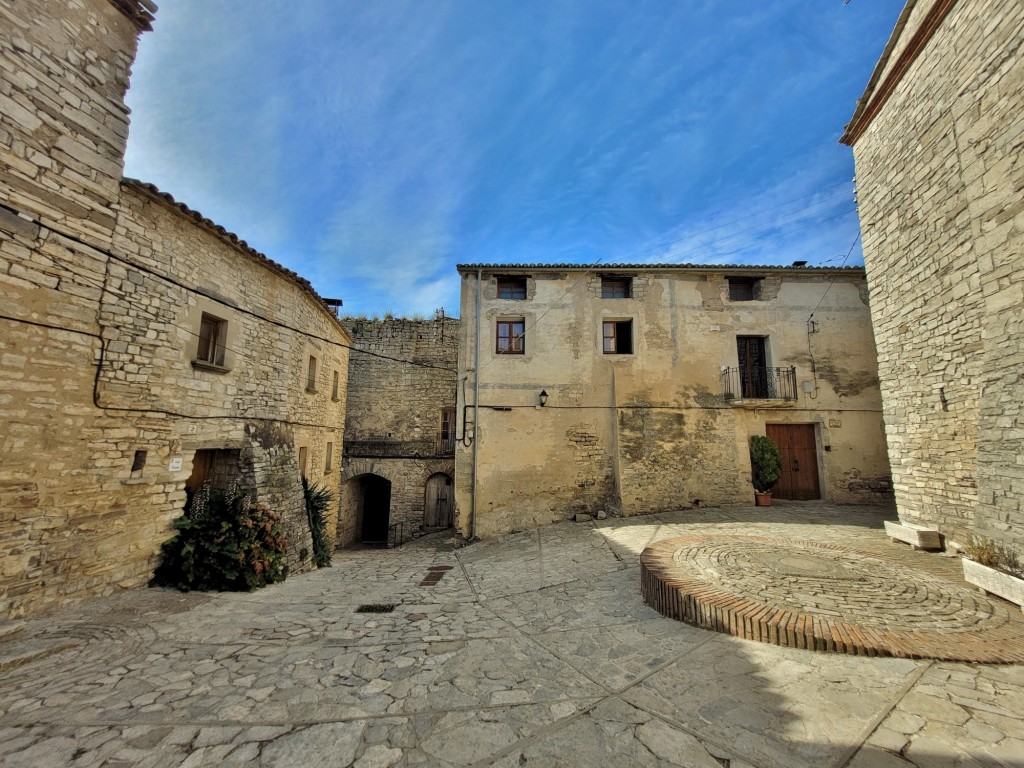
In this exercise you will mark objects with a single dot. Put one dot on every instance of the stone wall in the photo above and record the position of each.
(64, 70)
(940, 195)
(400, 379)
(103, 401)
(652, 429)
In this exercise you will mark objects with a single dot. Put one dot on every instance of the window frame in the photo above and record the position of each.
(752, 284)
(328, 458)
(616, 287)
(211, 345)
(614, 325)
(334, 386)
(311, 374)
(514, 285)
(512, 339)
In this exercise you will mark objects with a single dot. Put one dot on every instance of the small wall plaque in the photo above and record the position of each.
(175, 465)
(835, 423)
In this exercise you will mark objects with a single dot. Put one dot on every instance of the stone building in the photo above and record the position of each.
(143, 348)
(636, 388)
(399, 462)
(937, 140)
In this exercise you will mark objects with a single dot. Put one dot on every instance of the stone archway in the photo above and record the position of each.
(366, 491)
(372, 494)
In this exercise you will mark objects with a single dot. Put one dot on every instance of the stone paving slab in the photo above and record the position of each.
(773, 706)
(531, 650)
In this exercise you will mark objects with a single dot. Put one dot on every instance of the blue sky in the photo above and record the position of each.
(371, 146)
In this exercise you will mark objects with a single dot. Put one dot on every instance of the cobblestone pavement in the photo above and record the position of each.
(531, 650)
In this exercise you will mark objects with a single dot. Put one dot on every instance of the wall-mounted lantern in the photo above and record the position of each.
(543, 398)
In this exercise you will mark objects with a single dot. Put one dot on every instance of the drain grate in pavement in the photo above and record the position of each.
(377, 608)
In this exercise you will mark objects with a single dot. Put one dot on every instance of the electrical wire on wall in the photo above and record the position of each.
(813, 326)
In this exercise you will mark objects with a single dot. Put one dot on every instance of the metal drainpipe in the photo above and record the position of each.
(476, 403)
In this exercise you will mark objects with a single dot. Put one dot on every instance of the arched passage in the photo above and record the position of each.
(372, 497)
(437, 501)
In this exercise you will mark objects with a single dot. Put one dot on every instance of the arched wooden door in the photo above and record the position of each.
(437, 501)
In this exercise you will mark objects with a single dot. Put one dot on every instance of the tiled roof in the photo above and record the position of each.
(230, 237)
(745, 268)
(139, 11)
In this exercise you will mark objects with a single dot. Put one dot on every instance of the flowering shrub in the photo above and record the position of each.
(225, 542)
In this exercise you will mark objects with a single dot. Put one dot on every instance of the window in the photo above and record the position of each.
(212, 333)
(334, 387)
(311, 375)
(446, 443)
(138, 463)
(616, 288)
(303, 452)
(618, 337)
(744, 288)
(512, 288)
(510, 337)
(328, 458)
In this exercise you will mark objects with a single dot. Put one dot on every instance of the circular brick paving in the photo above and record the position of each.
(825, 597)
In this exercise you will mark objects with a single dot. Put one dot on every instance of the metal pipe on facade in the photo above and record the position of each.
(476, 402)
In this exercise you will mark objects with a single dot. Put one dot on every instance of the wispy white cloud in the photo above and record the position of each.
(370, 146)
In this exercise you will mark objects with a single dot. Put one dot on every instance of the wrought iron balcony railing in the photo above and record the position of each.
(759, 384)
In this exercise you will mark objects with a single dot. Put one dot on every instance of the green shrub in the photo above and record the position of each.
(318, 499)
(765, 462)
(225, 542)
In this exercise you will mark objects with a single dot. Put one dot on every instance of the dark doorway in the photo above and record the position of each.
(798, 446)
(437, 502)
(375, 493)
(753, 366)
(218, 468)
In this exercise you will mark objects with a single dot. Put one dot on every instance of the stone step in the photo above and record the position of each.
(19, 653)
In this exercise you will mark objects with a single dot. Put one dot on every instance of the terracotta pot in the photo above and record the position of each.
(762, 498)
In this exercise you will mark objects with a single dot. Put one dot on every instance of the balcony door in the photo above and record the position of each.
(753, 366)
(798, 446)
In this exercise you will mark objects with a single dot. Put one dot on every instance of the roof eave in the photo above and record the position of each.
(230, 238)
(877, 93)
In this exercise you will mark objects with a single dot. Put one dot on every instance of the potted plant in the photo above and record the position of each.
(995, 569)
(765, 466)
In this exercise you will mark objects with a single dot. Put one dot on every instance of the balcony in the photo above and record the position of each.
(392, 448)
(740, 385)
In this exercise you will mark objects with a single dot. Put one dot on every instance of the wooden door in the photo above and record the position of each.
(753, 370)
(798, 446)
(437, 502)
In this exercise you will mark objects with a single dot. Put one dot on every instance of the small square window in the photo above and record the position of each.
(618, 337)
(334, 387)
(744, 288)
(212, 335)
(616, 288)
(512, 288)
(311, 375)
(510, 337)
(328, 458)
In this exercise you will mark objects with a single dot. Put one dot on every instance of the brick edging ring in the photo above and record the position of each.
(696, 600)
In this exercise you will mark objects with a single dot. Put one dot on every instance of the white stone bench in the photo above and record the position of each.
(917, 536)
